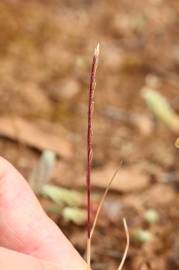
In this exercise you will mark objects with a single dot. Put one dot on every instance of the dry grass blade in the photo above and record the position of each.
(96, 218)
(127, 245)
(101, 202)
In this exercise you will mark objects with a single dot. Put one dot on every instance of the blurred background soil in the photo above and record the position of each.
(46, 49)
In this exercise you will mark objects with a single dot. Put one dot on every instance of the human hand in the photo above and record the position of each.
(29, 239)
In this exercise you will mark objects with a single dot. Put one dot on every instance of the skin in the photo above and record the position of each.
(29, 239)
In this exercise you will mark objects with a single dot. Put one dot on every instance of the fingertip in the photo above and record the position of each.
(25, 227)
(4, 167)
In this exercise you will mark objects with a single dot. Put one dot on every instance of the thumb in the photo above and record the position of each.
(12, 260)
(25, 227)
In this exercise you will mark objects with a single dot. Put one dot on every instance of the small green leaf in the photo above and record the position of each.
(161, 108)
(151, 216)
(142, 236)
(61, 195)
(76, 215)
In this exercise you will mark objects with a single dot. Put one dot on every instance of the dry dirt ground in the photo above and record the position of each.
(45, 54)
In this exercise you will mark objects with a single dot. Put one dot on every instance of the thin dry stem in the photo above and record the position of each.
(101, 202)
(127, 245)
(88, 254)
(95, 222)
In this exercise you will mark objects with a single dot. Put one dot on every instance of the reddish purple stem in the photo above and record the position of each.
(90, 137)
